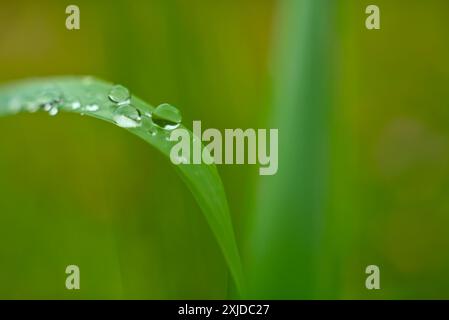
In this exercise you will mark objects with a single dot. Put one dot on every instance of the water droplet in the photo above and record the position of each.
(53, 111)
(152, 131)
(91, 108)
(15, 105)
(166, 116)
(49, 100)
(76, 105)
(119, 94)
(127, 116)
(32, 106)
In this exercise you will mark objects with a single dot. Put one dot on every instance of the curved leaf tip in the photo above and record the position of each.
(102, 100)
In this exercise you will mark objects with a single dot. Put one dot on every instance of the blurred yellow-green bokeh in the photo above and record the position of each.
(363, 171)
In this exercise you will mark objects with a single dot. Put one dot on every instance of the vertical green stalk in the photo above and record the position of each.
(288, 227)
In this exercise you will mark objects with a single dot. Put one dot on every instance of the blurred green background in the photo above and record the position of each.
(363, 152)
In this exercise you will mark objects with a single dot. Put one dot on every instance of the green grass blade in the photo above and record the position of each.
(203, 180)
(288, 228)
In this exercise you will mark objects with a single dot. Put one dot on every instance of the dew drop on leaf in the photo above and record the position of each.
(50, 100)
(76, 105)
(119, 94)
(166, 116)
(91, 108)
(152, 130)
(127, 116)
(53, 111)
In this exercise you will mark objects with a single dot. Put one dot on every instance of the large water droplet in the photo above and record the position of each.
(119, 94)
(127, 116)
(166, 116)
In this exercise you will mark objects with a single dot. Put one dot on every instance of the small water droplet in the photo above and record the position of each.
(127, 116)
(32, 106)
(76, 105)
(53, 111)
(153, 131)
(166, 116)
(91, 108)
(49, 99)
(119, 94)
